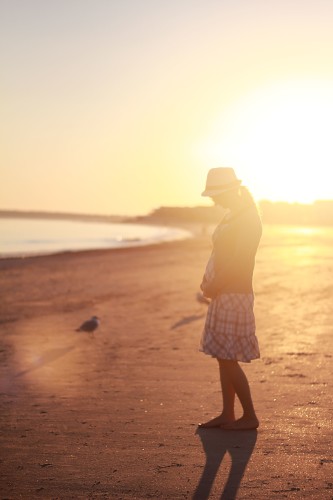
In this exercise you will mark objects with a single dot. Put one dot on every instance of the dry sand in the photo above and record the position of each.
(115, 415)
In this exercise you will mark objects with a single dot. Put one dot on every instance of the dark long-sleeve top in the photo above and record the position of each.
(235, 243)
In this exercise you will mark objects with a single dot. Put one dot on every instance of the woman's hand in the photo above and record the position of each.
(203, 283)
(208, 289)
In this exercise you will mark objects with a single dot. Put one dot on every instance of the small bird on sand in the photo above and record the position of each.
(90, 325)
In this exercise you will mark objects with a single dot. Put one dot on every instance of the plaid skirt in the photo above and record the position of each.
(230, 327)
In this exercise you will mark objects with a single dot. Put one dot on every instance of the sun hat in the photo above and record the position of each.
(219, 180)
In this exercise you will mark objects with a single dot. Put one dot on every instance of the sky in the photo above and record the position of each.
(120, 107)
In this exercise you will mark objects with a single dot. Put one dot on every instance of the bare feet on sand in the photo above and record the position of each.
(242, 424)
(219, 421)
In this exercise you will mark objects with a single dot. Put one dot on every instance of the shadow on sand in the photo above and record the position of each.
(216, 443)
(187, 320)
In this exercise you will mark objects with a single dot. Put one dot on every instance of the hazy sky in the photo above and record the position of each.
(122, 106)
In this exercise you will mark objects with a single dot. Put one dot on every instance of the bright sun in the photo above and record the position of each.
(279, 140)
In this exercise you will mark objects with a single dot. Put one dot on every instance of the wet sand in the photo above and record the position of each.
(115, 415)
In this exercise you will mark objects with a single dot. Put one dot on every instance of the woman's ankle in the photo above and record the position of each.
(228, 415)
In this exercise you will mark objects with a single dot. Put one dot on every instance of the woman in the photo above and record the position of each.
(229, 333)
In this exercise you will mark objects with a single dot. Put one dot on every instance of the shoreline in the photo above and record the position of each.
(193, 230)
(88, 252)
(164, 233)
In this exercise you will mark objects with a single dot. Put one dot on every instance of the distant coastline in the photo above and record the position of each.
(39, 214)
(318, 213)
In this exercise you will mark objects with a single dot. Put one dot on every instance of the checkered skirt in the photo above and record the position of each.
(230, 327)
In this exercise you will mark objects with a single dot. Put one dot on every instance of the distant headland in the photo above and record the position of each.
(319, 213)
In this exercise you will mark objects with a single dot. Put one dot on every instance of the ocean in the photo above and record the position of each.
(25, 237)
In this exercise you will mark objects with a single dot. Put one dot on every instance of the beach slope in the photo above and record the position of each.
(115, 414)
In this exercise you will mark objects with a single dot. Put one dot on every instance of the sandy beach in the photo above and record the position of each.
(115, 415)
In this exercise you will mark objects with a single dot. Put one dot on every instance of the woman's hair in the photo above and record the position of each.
(248, 198)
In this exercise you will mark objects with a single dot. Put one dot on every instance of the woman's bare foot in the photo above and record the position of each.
(242, 424)
(219, 421)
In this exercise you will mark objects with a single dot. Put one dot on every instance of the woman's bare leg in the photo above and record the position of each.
(237, 377)
(228, 399)
(228, 395)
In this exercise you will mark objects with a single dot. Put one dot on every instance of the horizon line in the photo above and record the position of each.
(15, 211)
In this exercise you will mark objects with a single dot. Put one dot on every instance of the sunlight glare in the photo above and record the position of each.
(279, 141)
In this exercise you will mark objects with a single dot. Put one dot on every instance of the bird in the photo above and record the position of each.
(90, 325)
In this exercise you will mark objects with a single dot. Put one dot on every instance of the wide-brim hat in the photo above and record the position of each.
(219, 180)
